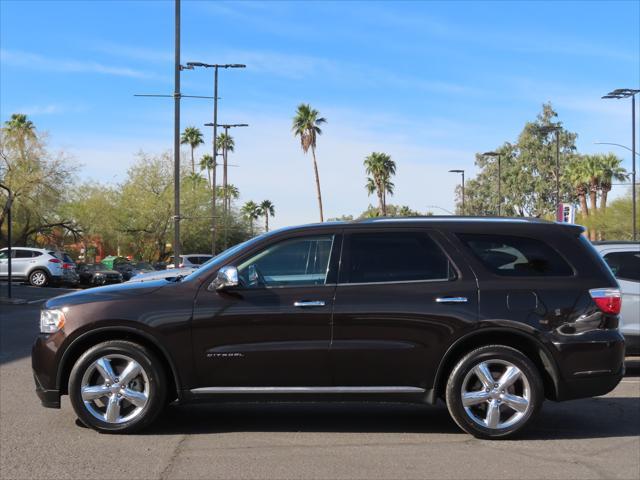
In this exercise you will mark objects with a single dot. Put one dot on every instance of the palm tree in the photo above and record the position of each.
(225, 143)
(578, 176)
(380, 168)
(306, 126)
(267, 209)
(611, 170)
(593, 171)
(192, 137)
(251, 211)
(206, 163)
(20, 129)
(230, 191)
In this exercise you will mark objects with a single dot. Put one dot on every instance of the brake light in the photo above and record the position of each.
(54, 260)
(181, 265)
(67, 266)
(608, 300)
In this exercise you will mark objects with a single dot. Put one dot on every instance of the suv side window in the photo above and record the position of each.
(624, 265)
(513, 256)
(296, 262)
(376, 257)
(22, 254)
(4, 255)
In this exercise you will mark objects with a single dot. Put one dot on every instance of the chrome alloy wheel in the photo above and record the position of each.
(115, 389)
(496, 394)
(38, 278)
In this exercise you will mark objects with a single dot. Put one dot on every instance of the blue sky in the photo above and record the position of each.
(430, 83)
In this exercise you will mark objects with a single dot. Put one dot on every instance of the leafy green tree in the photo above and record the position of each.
(528, 170)
(380, 169)
(614, 223)
(251, 211)
(266, 210)
(192, 136)
(392, 210)
(306, 125)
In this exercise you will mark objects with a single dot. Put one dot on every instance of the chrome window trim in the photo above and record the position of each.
(393, 282)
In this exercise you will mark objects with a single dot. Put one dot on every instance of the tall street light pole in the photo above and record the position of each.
(215, 67)
(225, 193)
(462, 173)
(497, 155)
(626, 93)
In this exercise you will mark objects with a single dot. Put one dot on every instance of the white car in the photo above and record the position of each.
(38, 266)
(624, 260)
(193, 260)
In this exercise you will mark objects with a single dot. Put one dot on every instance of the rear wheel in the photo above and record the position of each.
(117, 386)
(494, 392)
(39, 278)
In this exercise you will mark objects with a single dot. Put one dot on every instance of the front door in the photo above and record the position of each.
(399, 304)
(274, 330)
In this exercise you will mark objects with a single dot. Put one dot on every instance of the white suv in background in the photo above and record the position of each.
(191, 260)
(624, 260)
(39, 266)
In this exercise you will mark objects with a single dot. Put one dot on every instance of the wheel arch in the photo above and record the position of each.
(88, 339)
(511, 337)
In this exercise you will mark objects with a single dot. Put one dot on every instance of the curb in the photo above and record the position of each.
(12, 301)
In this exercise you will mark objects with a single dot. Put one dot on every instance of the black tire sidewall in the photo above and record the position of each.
(466, 364)
(147, 360)
(46, 277)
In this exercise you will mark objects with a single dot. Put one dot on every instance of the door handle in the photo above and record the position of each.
(314, 303)
(451, 300)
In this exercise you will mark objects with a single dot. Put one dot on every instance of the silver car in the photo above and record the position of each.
(38, 266)
(624, 260)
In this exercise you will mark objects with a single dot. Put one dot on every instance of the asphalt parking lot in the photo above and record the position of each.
(584, 439)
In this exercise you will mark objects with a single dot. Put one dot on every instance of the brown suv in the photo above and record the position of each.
(491, 315)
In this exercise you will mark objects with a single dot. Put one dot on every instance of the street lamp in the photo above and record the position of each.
(461, 172)
(615, 144)
(619, 94)
(545, 130)
(215, 67)
(227, 201)
(497, 155)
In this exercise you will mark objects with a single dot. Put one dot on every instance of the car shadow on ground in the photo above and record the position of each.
(589, 418)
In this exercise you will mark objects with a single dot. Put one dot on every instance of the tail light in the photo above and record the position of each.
(55, 260)
(608, 300)
(67, 266)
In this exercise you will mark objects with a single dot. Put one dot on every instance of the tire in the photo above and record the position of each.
(39, 278)
(496, 407)
(131, 407)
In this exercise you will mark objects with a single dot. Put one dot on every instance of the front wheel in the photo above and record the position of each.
(38, 278)
(494, 392)
(117, 387)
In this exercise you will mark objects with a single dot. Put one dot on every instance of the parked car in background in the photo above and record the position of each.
(190, 260)
(624, 260)
(493, 315)
(169, 274)
(38, 266)
(95, 274)
(131, 269)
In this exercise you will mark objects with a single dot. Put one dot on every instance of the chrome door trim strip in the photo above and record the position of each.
(277, 390)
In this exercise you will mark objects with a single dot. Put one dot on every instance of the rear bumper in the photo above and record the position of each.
(592, 363)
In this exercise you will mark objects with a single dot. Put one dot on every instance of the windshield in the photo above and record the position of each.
(222, 257)
(143, 266)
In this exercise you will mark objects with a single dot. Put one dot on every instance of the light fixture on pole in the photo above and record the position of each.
(618, 94)
(462, 173)
(497, 155)
(215, 67)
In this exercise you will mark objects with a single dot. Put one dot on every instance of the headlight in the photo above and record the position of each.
(51, 321)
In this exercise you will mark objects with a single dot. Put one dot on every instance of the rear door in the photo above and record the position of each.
(401, 299)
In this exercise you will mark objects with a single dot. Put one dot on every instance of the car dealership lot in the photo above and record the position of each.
(591, 438)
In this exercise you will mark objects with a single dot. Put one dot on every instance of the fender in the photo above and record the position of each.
(504, 327)
(142, 333)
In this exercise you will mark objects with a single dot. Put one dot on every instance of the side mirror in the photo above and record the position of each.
(227, 278)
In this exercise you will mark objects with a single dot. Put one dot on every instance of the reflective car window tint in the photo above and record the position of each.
(4, 255)
(295, 262)
(516, 256)
(394, 257)
(23, 254)
(624, 265)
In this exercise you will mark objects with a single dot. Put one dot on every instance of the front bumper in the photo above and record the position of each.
(592, 363)
(48, 398)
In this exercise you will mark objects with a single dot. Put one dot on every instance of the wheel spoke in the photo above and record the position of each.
(509, 377)
(131, 371)
(493, 414)
(137, 398)
(104, 367)
(473, 398)
(93, 392)
(482, 372)
(519, 404)
(113, 409)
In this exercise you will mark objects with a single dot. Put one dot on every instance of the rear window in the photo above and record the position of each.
(512, 256)
(624, 265)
